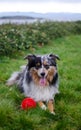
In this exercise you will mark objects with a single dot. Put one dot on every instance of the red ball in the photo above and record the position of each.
(28, 103)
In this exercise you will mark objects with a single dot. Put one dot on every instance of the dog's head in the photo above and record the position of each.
(42, 68)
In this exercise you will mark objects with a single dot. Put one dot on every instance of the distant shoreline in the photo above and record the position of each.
(30, 17)
(18, 17)
(19, 20)
(48, 16)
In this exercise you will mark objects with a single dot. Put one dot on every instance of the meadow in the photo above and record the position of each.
(67, 102)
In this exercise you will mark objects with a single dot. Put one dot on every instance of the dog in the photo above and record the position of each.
(38, 79)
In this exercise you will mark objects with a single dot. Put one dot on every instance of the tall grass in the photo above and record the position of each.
(67, 103)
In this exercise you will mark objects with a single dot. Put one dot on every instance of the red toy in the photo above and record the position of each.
(28, 103)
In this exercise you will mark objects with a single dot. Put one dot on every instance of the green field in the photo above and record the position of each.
(67, 103)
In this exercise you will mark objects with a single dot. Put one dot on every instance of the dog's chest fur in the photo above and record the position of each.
(39, 93)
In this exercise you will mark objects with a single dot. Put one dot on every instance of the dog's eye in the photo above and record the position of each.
(38, 65)
(46, 66)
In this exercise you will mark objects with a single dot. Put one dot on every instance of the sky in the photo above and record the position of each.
(40, 6)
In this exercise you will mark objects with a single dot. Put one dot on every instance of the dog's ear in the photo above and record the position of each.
(53, 56)
(30, 57)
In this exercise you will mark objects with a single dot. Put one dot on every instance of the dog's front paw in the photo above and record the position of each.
(53, 113)
(43, 107)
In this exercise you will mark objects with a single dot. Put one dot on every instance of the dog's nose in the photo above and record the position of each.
(43, 74)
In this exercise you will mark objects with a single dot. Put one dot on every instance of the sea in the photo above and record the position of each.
(19, 21)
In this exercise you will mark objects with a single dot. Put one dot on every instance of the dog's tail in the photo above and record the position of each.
(15, 77)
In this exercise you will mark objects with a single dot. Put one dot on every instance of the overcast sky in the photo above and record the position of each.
(42, 6)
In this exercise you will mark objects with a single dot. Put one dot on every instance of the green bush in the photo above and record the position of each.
(15, 38)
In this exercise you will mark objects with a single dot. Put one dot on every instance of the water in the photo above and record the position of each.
(18, 21)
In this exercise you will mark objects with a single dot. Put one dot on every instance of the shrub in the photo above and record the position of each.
(15, 38)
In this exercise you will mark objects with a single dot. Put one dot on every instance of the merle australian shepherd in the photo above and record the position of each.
(38, 79)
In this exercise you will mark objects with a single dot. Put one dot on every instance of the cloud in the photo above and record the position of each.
(41, 5)
(67, 1)
(41, 1)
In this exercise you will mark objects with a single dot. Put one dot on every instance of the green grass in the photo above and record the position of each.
(67, 103)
